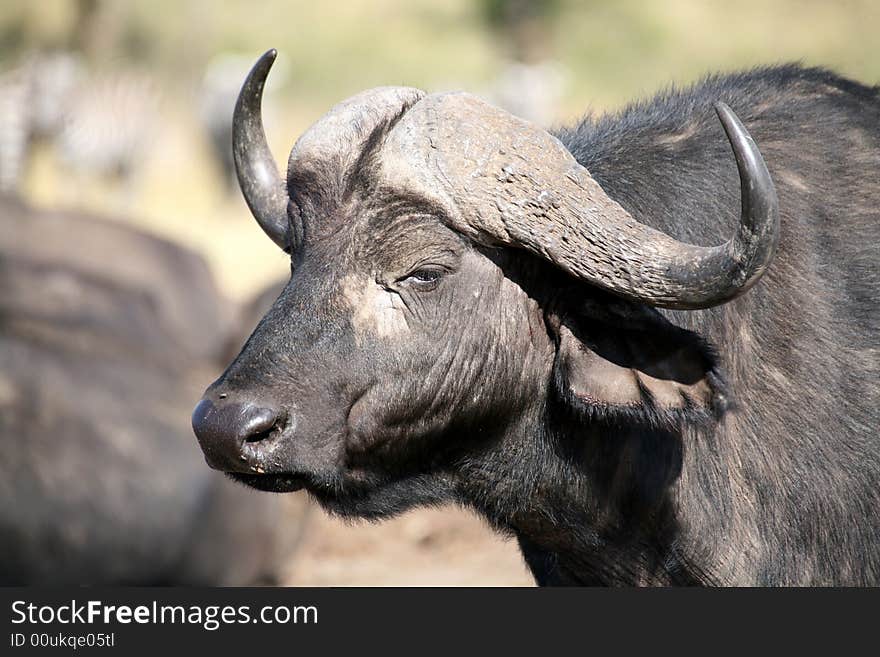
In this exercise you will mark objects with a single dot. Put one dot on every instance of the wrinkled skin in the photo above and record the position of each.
(389, 340)
(621, 445)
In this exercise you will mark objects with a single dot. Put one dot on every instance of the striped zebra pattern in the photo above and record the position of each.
(100, 125)
(15, 128)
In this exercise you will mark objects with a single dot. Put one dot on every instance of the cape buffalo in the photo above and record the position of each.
(100, 482)
(543, 327)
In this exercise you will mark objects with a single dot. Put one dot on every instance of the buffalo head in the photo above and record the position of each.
(455, 273)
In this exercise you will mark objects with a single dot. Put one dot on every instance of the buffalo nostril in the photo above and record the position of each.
(235, 437)
(260, 424)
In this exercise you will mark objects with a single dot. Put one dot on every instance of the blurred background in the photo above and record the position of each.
(122, 111)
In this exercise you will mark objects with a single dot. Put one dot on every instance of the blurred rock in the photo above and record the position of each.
(177, 281)
(107, 338)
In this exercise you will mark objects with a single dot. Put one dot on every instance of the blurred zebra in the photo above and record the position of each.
(108, 125)
(99, 125)
(14, 127)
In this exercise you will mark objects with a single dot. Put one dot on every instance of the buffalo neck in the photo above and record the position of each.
(589, 504)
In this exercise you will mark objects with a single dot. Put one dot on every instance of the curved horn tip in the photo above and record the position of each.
(749, 160)
(723, 111)
(268, 57)
(261, 68)
(733, 127)
(755, 242)
(263, 188)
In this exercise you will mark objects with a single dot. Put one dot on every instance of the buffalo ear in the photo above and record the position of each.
(618, 361)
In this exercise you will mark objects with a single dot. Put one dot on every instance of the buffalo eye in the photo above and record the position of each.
(424, 279)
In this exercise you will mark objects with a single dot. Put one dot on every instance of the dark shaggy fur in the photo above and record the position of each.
(784, 488)
(744, 447)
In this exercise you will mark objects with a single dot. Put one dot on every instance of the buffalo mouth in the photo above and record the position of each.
(270, 483)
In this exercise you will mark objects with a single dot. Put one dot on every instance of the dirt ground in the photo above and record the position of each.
(425, 547)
